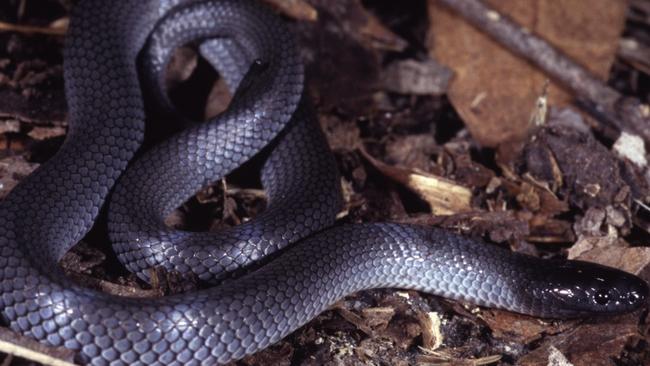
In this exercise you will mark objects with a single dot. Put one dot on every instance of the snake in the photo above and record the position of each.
(293, 260)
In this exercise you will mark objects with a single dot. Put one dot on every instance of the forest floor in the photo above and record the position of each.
(431, 121)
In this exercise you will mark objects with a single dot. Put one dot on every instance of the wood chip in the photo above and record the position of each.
(444, 196)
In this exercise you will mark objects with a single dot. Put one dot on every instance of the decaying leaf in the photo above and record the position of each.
(492, 87)
(629, 259)
(43, 133)
(588, 344)
(521, 328)
(445, 197)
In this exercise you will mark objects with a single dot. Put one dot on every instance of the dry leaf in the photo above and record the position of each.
(520, 328)
(444, 196)
(632, 260)
(493, 90)
(587, 344)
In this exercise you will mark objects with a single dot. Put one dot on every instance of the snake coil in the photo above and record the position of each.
(56, 206)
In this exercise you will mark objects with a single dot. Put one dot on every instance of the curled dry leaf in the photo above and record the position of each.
(444, 196)
(493, 90)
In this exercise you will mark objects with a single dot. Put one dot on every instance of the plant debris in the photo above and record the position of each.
(427, 107)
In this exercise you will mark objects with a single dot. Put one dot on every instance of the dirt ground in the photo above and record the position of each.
(431, 121)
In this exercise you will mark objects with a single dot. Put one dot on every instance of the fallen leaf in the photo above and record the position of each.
(629, 259)
(445, 197)
(493, 90)
(587, 344)
(520, 328)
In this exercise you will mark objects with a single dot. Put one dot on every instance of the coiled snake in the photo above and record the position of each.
(55, 206)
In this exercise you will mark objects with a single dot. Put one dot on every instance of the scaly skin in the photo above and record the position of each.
(55, 207)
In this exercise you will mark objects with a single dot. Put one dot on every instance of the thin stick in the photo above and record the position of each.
(28, 29)
(20, 346)
(609, 106)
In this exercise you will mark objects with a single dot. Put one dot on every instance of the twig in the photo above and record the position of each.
(15, 344)
(609, 106)
(29, 29)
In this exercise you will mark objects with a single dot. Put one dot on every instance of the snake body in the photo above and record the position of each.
(56, 206)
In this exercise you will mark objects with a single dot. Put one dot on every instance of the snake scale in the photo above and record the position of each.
(54, 207)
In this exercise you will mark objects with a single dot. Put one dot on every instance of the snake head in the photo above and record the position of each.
(580, 288)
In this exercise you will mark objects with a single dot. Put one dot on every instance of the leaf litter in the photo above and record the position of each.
(430, 122)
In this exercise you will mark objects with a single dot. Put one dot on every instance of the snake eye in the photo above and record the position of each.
(601, 297)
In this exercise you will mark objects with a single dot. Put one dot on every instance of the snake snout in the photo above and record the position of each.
(636, 294)
(590, 288)
(615, 291)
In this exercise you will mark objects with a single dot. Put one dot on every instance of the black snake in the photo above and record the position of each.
(55, 207)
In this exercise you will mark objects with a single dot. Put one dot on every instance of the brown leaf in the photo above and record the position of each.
(493, 90)
(629, 259)
(588, 344)
(520, 328)
(444, 196)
